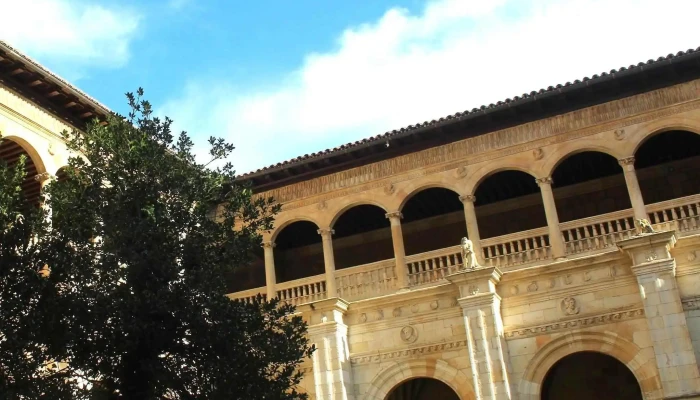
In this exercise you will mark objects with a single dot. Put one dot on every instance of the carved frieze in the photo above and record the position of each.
(405, 353)
(600, 319)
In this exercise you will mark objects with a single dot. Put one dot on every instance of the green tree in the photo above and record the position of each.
(26, 367)
(142, 237)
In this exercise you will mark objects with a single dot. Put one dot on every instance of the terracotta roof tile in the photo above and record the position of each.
(456, 116)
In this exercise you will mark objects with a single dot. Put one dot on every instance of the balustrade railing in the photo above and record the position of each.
(248, 295)
(433, 266)
(587, 235)
(367, 280)
(682, 214)
(599, 232)
(517, 248)
(305, 290)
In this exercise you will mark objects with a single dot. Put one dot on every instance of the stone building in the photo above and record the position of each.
(562, 290)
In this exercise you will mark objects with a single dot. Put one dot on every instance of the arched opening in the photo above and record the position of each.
(668, 166)
(432, 219)
(298, 252)
(508, 202)
(10, 153)
(422, 389)
(587, 184)
(362, 236)
(590, 375)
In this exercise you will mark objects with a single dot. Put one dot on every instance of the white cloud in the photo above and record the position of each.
(453, 56)
(70, 34)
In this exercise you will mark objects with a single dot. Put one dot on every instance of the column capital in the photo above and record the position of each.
(269, 245)
(42, 177)
(394, 215)
(626, 161)
(547, 180)
(467, 198)
(326, 232)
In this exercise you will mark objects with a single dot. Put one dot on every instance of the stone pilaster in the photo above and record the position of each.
(329, 260)
(332, 371)
(472, 226)
(399, 251)
(556, 239)
(655, 270)
(635, 193)
(270, 276)
(488, 351)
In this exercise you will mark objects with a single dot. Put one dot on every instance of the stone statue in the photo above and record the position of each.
(645, 226)
(468, 255)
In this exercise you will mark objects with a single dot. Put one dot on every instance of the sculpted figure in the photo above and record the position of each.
(468, 255)
(645, 226)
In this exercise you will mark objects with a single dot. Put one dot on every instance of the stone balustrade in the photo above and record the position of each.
(582, 237)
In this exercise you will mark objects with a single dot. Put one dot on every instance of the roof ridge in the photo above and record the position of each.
(463, 114)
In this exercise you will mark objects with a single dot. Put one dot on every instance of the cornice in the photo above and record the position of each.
(32, 117)
(377, 357)
(610, 116)
(691, 303)
(580, 322)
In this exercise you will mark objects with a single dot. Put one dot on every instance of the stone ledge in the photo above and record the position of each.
(600, 319)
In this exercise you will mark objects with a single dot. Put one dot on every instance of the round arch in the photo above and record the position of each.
(640, 362)
(286, 222)
(489, 170)
(339, 213)
(30, 150)
(413, 190)
(399, 372)
(576, 148)
(658, 127)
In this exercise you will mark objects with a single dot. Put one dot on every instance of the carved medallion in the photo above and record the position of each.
(322, 205)
(552, 283)
(619, 134)
(692, 256)
(461, 172)
(389, 190)
(514, 290)
(568, 279)
(613, 271)
(363, 318)
(454, 302)
(652, 256)
(434, 305)
(380, 314)
(473, 290)
(538, 153)
(415, 308)
(569, 306)
(409, 334)
(587, 276)
(397, 312)
(532, 287)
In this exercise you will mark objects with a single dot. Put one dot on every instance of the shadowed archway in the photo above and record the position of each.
(433, 218)
(362, 236)
(590, 375)
(422, 389)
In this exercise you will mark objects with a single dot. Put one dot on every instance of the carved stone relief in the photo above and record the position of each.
(587, 276)
(692, 256)
(397, 312)
(434, 305)
(380, 314)
(415, 308)
(409, 334)
(473, 290)
(514, 290)
(363, 318)
(532, 287)
(461, 172)
(619, 134)
(569, 306)
(538, 153)
(322, 205)
(389, 190)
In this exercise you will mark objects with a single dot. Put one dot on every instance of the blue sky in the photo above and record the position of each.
(284, 78)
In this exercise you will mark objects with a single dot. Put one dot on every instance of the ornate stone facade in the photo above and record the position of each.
(527, 297)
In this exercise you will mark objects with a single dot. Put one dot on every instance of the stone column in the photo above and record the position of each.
(270, 276)
(640, 210)
(488, 351)
(329, 261)
(472, 226)
(399, 252)
(556, 239)
(655, 270)
(332, 371)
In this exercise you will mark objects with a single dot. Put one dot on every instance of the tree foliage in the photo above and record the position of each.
(142, 236)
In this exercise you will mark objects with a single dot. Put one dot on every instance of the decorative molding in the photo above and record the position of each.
(547, 180)
(467, 198)
(691, 303)
(600, 319)
(626, 161)
(581, 123)
(395, 214)
(405, 353)
(30, 115)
